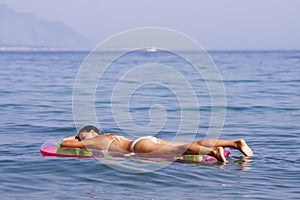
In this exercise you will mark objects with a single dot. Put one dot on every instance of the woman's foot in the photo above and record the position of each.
(218, 153)
(244, 148)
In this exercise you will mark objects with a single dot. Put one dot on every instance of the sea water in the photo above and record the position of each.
(262, 106)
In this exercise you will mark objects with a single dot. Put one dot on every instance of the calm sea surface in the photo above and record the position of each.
(263, 106)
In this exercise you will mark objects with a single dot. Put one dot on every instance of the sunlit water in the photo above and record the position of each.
(263, 106)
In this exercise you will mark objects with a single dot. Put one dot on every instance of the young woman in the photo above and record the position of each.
(90, 137)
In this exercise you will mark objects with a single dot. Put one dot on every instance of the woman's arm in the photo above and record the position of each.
(70, 138)
(72, 144)
(88, 143)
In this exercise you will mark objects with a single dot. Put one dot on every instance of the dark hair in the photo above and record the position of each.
(88, 128)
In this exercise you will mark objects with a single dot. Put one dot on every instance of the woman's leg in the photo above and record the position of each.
(195, 148)
(151, 148)
(239, 144)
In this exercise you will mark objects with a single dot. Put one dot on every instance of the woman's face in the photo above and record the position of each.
(88, 135)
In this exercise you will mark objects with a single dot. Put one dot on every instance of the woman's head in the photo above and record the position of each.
(87, 132)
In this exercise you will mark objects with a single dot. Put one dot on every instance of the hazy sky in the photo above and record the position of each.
(223, 24)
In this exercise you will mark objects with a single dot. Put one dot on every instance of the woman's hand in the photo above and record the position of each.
(70, 138)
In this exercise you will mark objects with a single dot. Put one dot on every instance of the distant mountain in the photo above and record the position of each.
(27, 30)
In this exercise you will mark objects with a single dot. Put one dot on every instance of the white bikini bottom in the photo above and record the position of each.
(152, 138)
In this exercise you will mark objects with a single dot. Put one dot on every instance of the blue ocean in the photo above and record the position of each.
(262, 106)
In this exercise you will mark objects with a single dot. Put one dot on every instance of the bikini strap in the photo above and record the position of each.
(115, 137)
